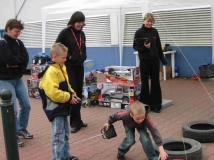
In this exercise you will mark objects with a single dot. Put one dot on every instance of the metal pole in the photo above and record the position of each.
(9, 128)
(20, 9)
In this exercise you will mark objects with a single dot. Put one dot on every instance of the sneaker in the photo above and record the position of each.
(25, 134)
(72, 158)
(120, 157)
(84, 125)
(20, 143)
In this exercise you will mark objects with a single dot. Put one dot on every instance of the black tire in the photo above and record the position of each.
(182, 149)
(125, 100)
(202, 131)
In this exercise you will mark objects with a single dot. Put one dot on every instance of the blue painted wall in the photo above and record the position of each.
(105, 56)
(196, 56)
(2, 32)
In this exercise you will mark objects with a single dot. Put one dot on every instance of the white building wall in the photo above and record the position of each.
(31, 10)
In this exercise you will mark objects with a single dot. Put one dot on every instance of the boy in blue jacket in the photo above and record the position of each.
(135, 117)
(57, 95)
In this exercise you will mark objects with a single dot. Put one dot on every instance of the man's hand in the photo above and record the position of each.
(74, 100)
(147, 45)
(162, 155)
(106, 126)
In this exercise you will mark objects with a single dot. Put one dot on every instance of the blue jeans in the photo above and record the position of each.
(145, 140)
(19, 91)
(60, 138)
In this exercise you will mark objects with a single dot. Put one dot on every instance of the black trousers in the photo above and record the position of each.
(149, 69)
(76, 75)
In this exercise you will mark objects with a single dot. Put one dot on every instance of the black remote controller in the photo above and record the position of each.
(110, 133)
(78, 99)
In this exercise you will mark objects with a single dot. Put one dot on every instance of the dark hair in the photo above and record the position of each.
(14, 23)
(76, 17)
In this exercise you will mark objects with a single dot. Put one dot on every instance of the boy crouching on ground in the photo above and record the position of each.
(135, 117)
(57, 95)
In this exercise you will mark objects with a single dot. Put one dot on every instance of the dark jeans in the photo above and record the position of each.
(76, 74)
(149, 69)
(145, 140)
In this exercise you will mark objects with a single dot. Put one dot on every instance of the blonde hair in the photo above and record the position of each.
(137, 108)
(57, 49)
(149, 16)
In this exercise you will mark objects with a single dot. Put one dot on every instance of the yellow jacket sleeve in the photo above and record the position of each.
(67, 78)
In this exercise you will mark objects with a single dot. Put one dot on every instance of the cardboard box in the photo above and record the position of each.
(90, 96)
(87, 90)
(168, 72)
(32, 85)
(90, 72)
(36, 69)
(113, 105)
(124, 75)
(117, 96)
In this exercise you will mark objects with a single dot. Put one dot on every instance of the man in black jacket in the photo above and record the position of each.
(13, 62)
(147, 43)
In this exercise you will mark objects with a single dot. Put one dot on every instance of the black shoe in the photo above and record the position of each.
(20, 143)
(72, 158)
(84, 125)
(25, 134)
(120, 157)
(74, 129)
(156, 110)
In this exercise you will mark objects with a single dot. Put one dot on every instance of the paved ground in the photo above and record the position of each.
(190, 102)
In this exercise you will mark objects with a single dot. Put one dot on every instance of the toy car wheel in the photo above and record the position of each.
(106, 98)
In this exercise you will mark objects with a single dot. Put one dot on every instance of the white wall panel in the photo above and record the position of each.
(183, 27)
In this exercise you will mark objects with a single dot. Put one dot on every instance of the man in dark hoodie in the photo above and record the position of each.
(147, 43)
(135, 117)
(74, 38)
(13, 62)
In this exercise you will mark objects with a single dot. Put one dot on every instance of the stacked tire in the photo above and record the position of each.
(189, 147)
(202, 131)
(182, 149)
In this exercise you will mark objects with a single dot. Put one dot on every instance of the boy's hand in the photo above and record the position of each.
(106, 126)
(74, 100)
(162, 155)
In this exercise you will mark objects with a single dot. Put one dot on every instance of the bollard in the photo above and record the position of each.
(9, 128)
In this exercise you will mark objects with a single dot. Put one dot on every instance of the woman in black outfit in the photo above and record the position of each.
(74, 38)
(147, 43)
